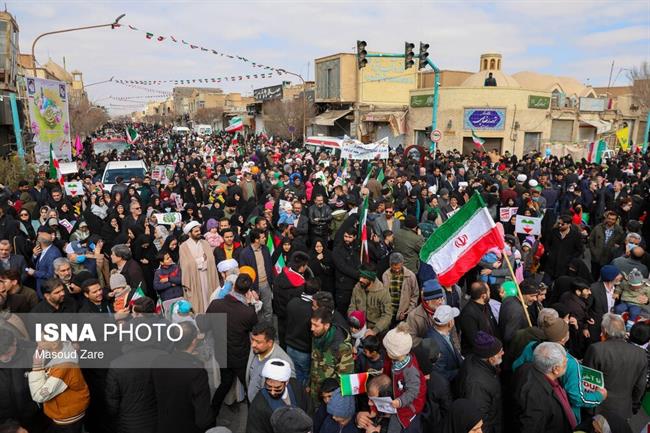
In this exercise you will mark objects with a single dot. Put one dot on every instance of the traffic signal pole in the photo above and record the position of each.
(436, 88)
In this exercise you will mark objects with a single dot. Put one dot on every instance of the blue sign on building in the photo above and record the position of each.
(481, 118)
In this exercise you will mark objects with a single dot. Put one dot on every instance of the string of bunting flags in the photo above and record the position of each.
(193, 46)
(198, 80)
(146, 89)
(133, 98)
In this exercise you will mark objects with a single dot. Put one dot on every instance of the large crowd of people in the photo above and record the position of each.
(269, 236)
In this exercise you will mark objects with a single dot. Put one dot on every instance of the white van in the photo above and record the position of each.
(126, 169)
(180, 130)
(203, 129)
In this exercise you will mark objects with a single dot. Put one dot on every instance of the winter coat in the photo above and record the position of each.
(603, 252)
(260, 411)
(578, 396)
(182, 394)
(475, 317)
(537, 409)
(511, 318)
(346, 273)
(331, 355)
(331, 426)
(419, 324)
(220, 254)
(319, 221)
(240, 320)
(561, 251)
(167, 282)
(288, 284)
(624, 366)
(410, 292)
(478, 381)
(247, 258)
(130, 396)
(298, 332)
(376, 303)
(409, 244)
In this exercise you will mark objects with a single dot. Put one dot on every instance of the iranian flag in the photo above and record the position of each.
(595, 151)
(353, 384)
(363, 229)
(458, 245)
(139, 293)
(478, 141)
(131, 135)
(236, 124)
(279, 265)
(55, 172)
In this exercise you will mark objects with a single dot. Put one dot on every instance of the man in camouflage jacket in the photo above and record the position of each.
(331, 350)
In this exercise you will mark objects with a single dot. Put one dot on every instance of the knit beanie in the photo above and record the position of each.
(357, 319)
(368, 274)
(290, 419)
(555, 330)
(211, 224)
(398, 341)
(117, 281)
(431, 289)
(485, 345)
(609, 273)
(341, 406)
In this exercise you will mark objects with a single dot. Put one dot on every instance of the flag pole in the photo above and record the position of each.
(519, 295)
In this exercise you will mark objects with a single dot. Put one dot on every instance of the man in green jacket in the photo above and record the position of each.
(409, 242)
(370, 295)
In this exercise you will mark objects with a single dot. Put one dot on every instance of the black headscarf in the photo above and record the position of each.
(463, 416)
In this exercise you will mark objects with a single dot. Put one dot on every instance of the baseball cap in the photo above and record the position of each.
(445, 314)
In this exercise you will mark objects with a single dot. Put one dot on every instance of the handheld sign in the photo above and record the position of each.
(528, 225)
(592, 380)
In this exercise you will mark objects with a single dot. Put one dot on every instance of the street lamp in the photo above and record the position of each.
(111, 25)
(304, 103)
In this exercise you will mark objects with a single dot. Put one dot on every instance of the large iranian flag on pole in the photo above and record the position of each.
(131, 135)
(353, 384)
(363, 229)
(458, 245)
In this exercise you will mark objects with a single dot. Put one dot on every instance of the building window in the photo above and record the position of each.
(201, 104)
(499, 64)
(484, 63)
(492, 64)
(555, 98)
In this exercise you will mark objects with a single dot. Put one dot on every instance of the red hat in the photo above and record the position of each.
(357, 319)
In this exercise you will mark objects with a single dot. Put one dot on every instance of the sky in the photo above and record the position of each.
(561, 37)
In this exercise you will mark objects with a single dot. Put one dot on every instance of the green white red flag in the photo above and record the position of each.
(478, 141)
(236, 124)
(363, 229)
(131, 135)
(139, 293)
(353, 384)
(55, 171)
(458, 244)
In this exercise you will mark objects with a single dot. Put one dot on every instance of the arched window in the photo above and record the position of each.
(492, 64)
(499, 64)
(556, 95)
(484, 63)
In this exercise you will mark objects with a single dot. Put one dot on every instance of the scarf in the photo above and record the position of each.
(560, 393)
(359, 335)
(398, 365)
(427, 308)
(325, 340)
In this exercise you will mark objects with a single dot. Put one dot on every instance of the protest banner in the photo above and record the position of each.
(354, 149)
(505, 213)
(528, 225)
(592, 379)
(169, 218)
(74, 188)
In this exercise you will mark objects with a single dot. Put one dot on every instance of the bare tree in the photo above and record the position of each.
(640, 78)
(85, 117)
(282, 117)
(208, 115)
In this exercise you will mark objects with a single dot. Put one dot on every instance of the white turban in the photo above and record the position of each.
(227, 265)
(189, 226)
(277, 369)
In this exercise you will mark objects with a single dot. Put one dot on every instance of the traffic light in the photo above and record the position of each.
(424, 54)
(361, 54)
(408, 55)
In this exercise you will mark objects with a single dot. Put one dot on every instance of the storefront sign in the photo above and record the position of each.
(593, 104)
(419, 101)
(541, 102)
(268, 93)
(479, 118)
